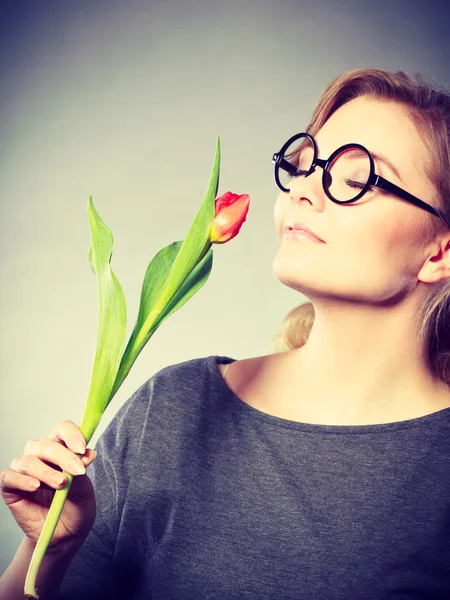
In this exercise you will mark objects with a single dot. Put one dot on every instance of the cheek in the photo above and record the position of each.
(378, 231)
(391, 246)
(279, 212)
(398, 234)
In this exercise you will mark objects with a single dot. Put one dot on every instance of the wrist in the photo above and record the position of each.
(61, 549)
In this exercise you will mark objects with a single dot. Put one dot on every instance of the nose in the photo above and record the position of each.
(308, 188)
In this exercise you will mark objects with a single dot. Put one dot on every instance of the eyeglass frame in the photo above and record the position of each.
(373, 179)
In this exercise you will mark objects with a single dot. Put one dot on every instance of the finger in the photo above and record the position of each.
(34, 467)
(69, 433)
(89, 456)
(11, 481)
(56, 454)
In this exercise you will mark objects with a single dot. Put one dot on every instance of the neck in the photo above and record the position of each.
(363, 362)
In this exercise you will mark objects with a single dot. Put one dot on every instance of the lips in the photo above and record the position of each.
(290, 226)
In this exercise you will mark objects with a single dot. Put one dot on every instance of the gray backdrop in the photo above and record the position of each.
(123, 101)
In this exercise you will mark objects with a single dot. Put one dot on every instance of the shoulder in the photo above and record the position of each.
(184, 381)
(185, 386)
(174, 383)
(183, 371)
(251, 373)
(163, 397)
(168, 381)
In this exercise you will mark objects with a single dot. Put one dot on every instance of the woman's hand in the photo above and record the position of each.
(29, 485)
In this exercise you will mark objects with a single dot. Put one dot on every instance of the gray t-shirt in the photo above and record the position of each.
(201, 496)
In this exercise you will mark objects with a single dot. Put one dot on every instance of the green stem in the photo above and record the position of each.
(129, 359)
(45, 538)
(89, 423)
(204, 252)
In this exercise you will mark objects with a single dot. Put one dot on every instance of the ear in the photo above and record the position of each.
(437, 266)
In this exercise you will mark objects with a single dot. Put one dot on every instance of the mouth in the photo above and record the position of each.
(292, 228)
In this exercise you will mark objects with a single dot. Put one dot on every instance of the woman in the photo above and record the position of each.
(321, 471)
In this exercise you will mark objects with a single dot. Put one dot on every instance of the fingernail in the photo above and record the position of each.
(95, 454)
(78, 468)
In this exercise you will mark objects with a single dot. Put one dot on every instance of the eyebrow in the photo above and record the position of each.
(382, 159)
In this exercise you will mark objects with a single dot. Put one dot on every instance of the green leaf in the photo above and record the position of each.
(154, 280)
(183, 260)
(191, 285)
(197, 237)
(196, 279)
(112, 323)
(91, 259)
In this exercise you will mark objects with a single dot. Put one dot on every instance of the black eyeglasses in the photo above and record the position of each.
(347, 175)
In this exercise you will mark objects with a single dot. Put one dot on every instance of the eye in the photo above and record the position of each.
(294, 172)
(357, 185)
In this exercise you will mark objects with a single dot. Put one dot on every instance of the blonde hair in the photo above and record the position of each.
(428, 105)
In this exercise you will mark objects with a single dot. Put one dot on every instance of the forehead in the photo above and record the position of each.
(381, 126)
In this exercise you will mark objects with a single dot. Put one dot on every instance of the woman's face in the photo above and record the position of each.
(376, 246)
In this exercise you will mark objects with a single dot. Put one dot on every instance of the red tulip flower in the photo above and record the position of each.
(231, 211)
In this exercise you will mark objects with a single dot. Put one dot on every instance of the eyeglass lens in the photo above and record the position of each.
(348, 172)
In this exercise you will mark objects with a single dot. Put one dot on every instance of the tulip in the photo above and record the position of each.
(230, 213)
(173, 276)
